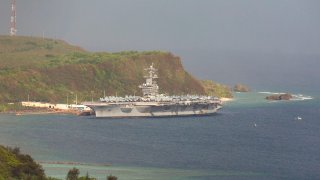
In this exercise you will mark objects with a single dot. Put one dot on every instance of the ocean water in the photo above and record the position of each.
(250, 138)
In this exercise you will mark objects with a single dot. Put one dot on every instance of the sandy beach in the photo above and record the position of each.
(226, 99)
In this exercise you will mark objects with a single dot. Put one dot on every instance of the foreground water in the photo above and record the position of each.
(249, 139)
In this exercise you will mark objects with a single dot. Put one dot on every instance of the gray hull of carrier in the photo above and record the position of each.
(153, 104)
(153, 110)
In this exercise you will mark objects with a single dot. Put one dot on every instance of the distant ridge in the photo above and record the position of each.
(52, 70)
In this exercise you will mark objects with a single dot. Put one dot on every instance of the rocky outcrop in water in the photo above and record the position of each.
(285, 96)
(241, 88)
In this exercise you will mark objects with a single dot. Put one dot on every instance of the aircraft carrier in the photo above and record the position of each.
(153, 104)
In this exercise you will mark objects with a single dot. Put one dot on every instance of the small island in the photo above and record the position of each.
(241, 88)
(277, 97)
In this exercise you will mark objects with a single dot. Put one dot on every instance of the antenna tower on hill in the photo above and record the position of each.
(13, 29)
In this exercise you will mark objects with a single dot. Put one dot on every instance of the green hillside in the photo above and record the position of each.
(52, 70)
(24, 52)
(216, 89)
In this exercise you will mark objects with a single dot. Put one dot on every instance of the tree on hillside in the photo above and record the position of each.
(73, 174)
(110, 177)
(87, 177)
(15, 165)
(27, 168)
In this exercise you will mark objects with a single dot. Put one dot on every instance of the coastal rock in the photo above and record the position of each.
(285, 96)
(241, 88)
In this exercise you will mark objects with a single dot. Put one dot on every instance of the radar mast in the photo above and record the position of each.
(150, 87)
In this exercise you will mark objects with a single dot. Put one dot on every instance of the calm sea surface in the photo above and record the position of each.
(249, 138)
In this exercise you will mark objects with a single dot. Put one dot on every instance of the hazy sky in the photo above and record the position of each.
(259, 42)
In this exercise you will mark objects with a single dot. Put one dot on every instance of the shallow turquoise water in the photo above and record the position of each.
(250, 138)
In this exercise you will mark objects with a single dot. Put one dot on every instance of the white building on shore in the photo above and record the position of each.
(55, 106)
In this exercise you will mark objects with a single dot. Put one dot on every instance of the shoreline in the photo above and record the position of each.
(73, 163)
(226, 99)
(41, 111)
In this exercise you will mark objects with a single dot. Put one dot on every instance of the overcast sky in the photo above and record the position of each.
(251, 41)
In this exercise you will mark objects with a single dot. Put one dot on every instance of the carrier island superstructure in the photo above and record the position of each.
(153, 104)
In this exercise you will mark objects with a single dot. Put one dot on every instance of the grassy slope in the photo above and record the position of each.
(217, 89)
(51, 70)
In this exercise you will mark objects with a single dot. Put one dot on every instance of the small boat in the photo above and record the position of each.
(85, 113)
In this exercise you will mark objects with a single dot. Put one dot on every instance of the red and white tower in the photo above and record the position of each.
(13, 28)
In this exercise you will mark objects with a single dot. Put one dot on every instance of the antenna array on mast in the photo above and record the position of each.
(13, 28)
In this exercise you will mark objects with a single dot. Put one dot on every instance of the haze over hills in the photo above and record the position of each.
(52, 70)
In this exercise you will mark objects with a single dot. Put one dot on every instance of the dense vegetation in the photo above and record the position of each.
(14, 165)
(52, 70)
(73, 174)
(17, 166)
